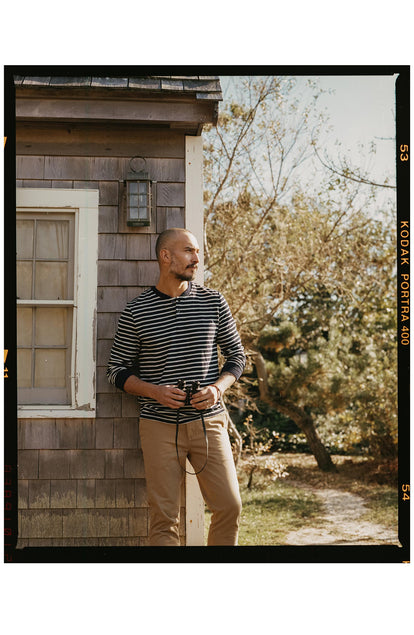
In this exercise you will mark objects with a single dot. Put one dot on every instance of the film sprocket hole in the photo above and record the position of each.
(189, 388)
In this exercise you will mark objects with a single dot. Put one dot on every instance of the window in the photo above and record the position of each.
(56, 301)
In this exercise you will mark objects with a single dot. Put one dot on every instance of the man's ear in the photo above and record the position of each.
(165, 256)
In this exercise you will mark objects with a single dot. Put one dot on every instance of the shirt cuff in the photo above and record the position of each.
(122, 376)
(234, 369)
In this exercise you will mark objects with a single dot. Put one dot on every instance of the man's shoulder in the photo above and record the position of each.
(205, 292)
(141, 300)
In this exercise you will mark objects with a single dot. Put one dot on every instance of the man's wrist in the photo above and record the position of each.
(135, 386)
(224, 382)
(219, 392)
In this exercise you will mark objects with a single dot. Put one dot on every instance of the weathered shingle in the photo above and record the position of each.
(110, 82)
(145, 83)
(172, 84)
(70, 81)
(36, 81)
(200, 85)
(197, 86)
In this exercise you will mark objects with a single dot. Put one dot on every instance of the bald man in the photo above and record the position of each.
(165, 352)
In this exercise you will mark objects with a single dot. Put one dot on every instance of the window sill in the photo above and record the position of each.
(54, 412)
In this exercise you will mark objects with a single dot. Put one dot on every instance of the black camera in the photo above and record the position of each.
(190, 389)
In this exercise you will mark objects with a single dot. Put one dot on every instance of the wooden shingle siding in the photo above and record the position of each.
(102, 384)
(169, 217)
(30, 167)
(138, 247)
(104, 437)
(170, 195)
(63, 493)
(108, 219)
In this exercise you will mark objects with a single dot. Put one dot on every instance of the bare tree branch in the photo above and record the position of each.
(349, 174)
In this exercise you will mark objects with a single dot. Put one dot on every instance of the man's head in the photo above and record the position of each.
(178, 253)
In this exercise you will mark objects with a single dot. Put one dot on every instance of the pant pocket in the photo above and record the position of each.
(218, 420)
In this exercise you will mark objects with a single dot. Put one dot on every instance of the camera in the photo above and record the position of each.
(190, 389)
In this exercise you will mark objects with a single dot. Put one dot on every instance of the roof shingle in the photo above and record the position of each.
(198, 86)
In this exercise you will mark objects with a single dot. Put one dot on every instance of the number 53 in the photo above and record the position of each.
(404, 153)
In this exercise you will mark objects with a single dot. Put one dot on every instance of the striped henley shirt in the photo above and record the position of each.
(161, 340)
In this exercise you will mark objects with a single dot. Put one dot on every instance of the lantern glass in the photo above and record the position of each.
(138, 202)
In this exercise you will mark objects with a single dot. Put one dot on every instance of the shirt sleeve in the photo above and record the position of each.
(123, 360)
(229, 341)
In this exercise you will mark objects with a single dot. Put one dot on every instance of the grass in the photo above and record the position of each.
(269, 514)
(271, 509)
(382, 504)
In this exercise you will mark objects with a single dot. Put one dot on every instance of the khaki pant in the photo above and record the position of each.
(218, 480)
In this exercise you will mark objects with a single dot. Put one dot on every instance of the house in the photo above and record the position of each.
(83, 144)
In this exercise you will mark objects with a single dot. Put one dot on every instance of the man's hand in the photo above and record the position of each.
(205, 398)
(170, 396)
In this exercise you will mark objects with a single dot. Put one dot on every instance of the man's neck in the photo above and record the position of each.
(171, 286)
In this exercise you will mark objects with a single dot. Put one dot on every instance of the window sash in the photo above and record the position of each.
(83, 205)
(51, 240)
(36, 343)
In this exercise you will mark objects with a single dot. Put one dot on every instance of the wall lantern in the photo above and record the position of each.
(139, 196)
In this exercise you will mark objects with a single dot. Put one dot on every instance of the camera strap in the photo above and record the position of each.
(176, 444)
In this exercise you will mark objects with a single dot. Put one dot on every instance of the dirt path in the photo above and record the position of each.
(341, 523)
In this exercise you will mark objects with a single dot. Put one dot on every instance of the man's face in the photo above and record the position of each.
(184, 253)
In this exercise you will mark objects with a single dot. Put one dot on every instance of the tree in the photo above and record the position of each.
(272, 237)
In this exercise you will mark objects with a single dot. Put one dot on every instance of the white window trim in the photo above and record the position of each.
(84, 204)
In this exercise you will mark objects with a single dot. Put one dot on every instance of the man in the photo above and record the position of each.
(167, 334)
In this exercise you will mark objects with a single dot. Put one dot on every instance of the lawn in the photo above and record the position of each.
(271, 509)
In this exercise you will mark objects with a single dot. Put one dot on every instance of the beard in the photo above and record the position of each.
(187, 275)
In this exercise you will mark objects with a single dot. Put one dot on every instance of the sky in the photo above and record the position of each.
(360, 111)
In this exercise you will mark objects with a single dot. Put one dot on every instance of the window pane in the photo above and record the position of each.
(51, 326)
(142, 188)
(51, 281)
(24, 326)
(50, 368)
(133, 200)
(52, 239)
(24, 239)
(24, 280)
(24, 368)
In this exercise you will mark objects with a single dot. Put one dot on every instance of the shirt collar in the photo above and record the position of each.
(164, 296)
